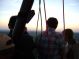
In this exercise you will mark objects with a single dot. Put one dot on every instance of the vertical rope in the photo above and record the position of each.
(39, 14)
(63, 20)
(38, 18)
(45, 15)
(45, 10)
(63, 15)
(37, 24)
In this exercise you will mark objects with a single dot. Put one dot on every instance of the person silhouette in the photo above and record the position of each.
(70, 41)
(25, 45)
(11, 27)
(51, 44)
(69, 36)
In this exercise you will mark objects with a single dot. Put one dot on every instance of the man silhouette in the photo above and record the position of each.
(50, 45)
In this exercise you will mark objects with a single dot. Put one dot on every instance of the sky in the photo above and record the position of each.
(54, 8)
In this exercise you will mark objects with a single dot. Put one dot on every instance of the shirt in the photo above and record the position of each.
(50, 44)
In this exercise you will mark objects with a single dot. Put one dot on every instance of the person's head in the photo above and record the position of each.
(68, 34)
(12, 21)
(52, 22)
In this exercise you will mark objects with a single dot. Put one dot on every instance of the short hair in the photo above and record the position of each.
(12, 21)
(52, 22)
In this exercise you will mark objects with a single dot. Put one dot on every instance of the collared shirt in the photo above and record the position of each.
(50, 45)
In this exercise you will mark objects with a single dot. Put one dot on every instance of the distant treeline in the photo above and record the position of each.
(33, 33)
(4, 31)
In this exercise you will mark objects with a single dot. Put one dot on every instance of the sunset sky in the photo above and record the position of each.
(54, 8)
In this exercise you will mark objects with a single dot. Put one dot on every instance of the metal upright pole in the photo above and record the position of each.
(24, 16)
